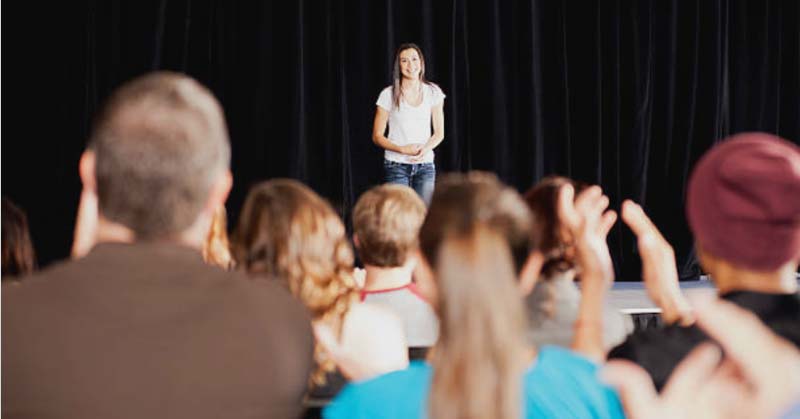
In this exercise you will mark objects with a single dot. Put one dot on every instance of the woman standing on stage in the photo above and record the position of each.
(410, 106)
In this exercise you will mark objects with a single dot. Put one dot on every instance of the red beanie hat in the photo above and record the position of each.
(743, 203)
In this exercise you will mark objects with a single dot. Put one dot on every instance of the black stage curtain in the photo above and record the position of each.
(624, 93)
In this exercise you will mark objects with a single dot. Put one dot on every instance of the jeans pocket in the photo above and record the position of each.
(395, 172)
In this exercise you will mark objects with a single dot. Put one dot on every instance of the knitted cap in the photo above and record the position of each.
(743, 202)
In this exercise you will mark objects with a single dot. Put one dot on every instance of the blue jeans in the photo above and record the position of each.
(420, 177)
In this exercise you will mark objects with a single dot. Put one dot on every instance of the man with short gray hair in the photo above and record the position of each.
(138, 326)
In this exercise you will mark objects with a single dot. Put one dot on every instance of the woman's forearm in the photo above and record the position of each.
(383, 142)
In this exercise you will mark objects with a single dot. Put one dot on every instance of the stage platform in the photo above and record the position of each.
(631, 297)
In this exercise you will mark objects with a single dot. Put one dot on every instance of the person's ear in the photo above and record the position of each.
(530, 272)
(86, 171)
(356, 243)
(708, 263)
(424, 277)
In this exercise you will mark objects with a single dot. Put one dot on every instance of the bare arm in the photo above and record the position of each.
(589, 223)
(437, 118)
(659, 272)
(379, 127)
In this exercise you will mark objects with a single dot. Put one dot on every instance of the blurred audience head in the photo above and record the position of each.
(19, 258)
(288, 232)
(216, 249)
(473, 241)
(160, 156)
(743, 203)
(550, 237)
(386, 221)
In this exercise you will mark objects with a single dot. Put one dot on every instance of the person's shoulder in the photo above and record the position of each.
(558, 357)
(435, 89)
(386, 93)
(376, 336)
(41, 282)
(395, 394)
(385, 98)
(659, 351)
(657, 342)
(400, 383)
(562, 379)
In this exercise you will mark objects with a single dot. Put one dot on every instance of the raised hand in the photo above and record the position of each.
(589, 223)
(659, 271)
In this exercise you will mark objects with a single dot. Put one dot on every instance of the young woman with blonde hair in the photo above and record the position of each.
(289, 233)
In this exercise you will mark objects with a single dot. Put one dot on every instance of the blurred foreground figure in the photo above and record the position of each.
(743, 207)
(139, 326)
(759, 377)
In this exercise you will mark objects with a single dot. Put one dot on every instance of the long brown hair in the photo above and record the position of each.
(397, 75)
(287, 231)
(19, 258)
(473, 224)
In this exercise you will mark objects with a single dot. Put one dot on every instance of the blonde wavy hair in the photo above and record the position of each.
(288, 232)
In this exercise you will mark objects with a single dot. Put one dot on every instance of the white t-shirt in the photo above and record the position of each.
(410, 124)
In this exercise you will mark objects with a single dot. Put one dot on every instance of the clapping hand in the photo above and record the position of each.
(589, 223)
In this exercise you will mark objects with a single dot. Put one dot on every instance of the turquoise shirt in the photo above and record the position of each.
(560, 384)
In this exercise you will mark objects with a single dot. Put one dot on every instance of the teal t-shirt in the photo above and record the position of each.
(560, 384)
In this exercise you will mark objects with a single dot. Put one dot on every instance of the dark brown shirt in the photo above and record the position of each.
(147, 331)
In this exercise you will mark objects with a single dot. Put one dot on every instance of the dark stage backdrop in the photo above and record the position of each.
(624, 93)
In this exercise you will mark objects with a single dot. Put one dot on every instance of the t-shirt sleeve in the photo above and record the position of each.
(438, 95)
(385, 99)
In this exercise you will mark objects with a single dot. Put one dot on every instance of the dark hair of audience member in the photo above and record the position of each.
(19, 258)
(145, 182)
(481, 352)
(288, 232)
(550, 237)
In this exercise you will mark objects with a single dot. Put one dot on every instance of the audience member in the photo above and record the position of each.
(216, 249)
(19, 259)
(140, 327)
(552, 304)
(482, 365)
(742, 205)
(759, 377)
(386, 221)
(288, 233)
